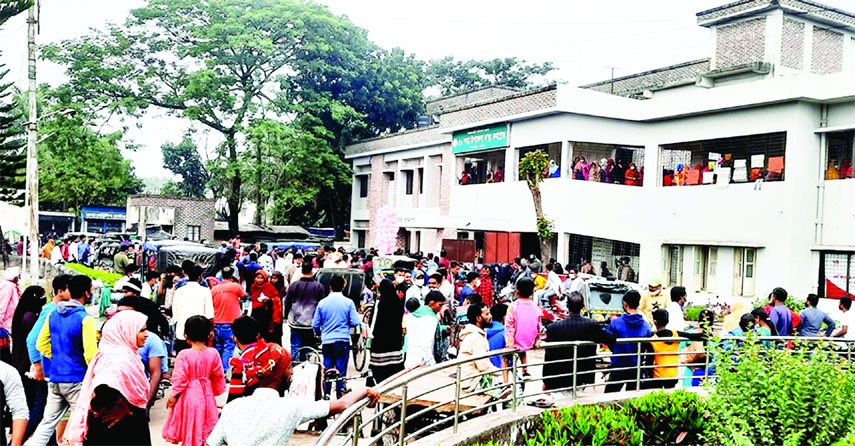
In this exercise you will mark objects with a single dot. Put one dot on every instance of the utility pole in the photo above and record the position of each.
(32, 156)
(612, 82)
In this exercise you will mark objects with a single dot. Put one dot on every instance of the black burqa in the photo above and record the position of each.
(387, 356)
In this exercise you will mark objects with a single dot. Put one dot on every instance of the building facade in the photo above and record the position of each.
(102, 219)
(190, 218)
(743, 164)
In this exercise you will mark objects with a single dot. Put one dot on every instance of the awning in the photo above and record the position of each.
(835, 248)
(836, 128)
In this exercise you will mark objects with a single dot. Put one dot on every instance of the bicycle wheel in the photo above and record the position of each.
(359, 354)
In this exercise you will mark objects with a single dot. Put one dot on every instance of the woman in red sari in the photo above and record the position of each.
(265, 302)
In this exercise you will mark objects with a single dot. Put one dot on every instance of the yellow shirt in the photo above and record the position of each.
(649, 304)
(539, 282)
(667, 357)
(90, 339)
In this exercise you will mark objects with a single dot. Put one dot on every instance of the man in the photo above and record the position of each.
(534, 264)
(74, 250)
(813, 318)
(247, 339)
(574, 283)
(417, 287)
(473, 342)
(780, 314)
(185, 267)
(83, 251)
(150, 284)
(624, 360)
(39, 365)
(294, 271)
(559, 361)
(444, 286)
(265, 260)
(15, 399)
(300, 305)
(453, 275)
(676, 318)
(443, 261)
(847, 321)
(10, 294)
(334, 317)
(625, 272)
(269, 373)
(485, 286)
(226, 297)
(522, 325)
(432, 266)
(69, 339)
(654, 299)
(473, 280)
(539, 281)
(424, 331)
(190, 300)
(120, 260)
(553, 286)
(663, 356)
(153, 354)
(130, 272)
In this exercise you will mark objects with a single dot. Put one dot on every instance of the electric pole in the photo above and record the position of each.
(612, 82)
(32, 156)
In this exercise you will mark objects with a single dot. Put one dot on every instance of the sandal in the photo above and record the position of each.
(541, 403)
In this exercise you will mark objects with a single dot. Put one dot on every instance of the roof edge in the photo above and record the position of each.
(645, 73)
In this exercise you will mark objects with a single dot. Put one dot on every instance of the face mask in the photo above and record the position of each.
(657, 292)
(477, 283)
(399, 279)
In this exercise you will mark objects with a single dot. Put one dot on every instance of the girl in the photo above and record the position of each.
(196, 381)
(26, 314)
(277, 279)
(111, 408)
(763, 326)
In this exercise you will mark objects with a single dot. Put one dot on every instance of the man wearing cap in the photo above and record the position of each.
(654, 299)
(268, 372)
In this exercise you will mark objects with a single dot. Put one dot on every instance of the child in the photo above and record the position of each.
(198, 377)
(522, 324)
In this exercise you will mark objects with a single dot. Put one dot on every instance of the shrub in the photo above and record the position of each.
(666, 416)
(589, 425)
(779, 396)
(107, 277)
(693, 313)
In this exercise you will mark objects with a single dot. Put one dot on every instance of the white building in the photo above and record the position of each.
(771, 107)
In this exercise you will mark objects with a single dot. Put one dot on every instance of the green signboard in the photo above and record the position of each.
(492, 137)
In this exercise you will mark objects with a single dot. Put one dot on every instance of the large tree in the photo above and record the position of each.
(13, 156)
(226, 63)
(455, 76)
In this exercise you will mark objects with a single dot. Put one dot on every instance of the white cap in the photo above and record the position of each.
(12, 273)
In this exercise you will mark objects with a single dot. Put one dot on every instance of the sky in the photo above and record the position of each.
(584, 39)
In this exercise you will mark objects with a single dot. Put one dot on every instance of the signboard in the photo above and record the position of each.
(105, 216)
(491, 137)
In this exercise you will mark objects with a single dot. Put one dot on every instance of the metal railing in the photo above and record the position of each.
(399, 420)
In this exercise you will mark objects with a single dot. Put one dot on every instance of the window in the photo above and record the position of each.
(479, 168)
(705, 266)
(194, 233)
(421, 180)
(837, 274)
(744, 265)
(613, 162)
(408, 182)
(606, 256)
(839, 147)
(362, 182)
(734, 160)
(672, 265)
(552, 151)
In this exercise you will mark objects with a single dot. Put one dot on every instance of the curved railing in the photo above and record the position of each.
(406, 414)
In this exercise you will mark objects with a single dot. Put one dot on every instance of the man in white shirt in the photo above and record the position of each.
(151, 278)
(574, 283)
(192, 299)
(422, 326)
(72, 250)
(676, 318)
(445, 287)
(265, 260)
(847, 320)
(269, 374)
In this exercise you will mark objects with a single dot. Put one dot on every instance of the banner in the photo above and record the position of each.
(492, 137)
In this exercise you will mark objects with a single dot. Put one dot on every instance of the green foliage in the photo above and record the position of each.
(780, 396)
(693, 313)
(453, 76)
(183, 159)
(794, 303)
(533, 165)
(590, 425)
(13, 153)
(107, 277)
(11, 8)
(664, 416)
(545, 228)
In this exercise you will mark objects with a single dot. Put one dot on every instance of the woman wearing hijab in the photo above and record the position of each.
(264, 301)
(387, 356)
(26, 314)
(278, 281)
(111, 408)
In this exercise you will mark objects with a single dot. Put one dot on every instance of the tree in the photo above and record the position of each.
(532, 168)
(183, 159)
(453, 76)
(13, 156)
(224, 64)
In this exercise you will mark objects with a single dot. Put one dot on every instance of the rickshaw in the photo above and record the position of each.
(354, 284)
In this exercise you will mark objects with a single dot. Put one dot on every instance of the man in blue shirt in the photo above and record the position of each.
(625, 354)
(473, 281)
(813, 318)
(40, 368)
(334, 317)
(780, 314)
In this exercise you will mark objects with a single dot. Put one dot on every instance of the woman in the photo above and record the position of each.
(387, 356)
(264, 300)
(111, 408)
(26, 314)
(763, 326)
(581, 169)
(278, 281)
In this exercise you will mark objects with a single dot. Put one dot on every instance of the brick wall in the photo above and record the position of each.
(827, 56)
(740, 43)
(188, 211)
(792, 44)
(627, 85)
(500, 109)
